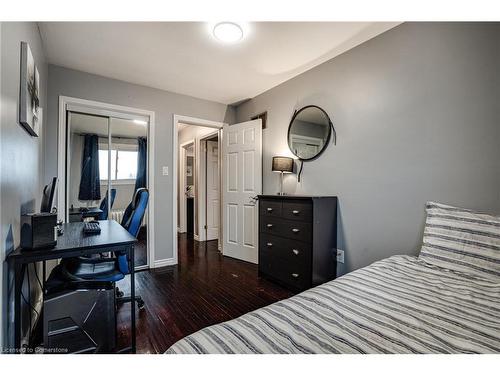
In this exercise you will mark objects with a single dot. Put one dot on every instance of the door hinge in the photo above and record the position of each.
(205, 227)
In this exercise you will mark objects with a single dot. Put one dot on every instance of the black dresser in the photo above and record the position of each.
(298, 240)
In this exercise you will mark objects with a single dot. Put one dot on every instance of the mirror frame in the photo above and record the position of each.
(330, 129)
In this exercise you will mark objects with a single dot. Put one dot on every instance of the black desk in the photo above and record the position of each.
(76, 215)
(74, 243)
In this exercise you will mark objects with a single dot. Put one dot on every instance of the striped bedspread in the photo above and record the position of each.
(397, 305)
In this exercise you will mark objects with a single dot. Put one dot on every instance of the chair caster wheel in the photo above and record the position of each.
(140, 304)
(119, 293)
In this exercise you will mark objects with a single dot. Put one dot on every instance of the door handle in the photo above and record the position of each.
(295, 212)
(295, 230)
(295, 275)
(269, 209)
(269, 225)
(269, 244)
(295, 251)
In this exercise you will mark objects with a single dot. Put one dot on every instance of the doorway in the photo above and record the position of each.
(198, 181)
(211, 187)
(108, 158)
(239, 154)
(186, 183)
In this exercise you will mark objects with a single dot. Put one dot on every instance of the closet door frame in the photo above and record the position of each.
(71, 104)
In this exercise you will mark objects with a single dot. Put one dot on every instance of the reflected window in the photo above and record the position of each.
(123, 164)
(126, 165)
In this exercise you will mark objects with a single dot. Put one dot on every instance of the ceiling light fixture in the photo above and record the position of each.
(228, 32)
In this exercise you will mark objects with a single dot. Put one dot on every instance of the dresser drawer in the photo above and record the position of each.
(297, 210)
(296, 230)
(295, 252)
(296, 238)
(270, 208)
(296, 276)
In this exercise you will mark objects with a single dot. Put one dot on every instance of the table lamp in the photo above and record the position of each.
(282, 164)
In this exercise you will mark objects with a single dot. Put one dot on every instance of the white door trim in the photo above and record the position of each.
(181, 226)
(189, 121)
(202, 193)
(95, 107)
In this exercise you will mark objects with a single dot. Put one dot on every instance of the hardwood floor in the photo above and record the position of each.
(140, 253)
(140, 250)
(205, 288)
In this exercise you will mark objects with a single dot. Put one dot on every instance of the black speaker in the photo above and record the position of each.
(37, 230)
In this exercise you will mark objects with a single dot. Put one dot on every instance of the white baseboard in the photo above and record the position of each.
(164, 263)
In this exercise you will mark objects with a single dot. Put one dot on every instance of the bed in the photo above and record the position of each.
(402, 304)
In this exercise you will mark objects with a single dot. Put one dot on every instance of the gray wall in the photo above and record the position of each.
(416, 111)
(21, 167)
(165, 104)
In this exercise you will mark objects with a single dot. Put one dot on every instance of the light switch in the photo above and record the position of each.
(340, 256)
(165, 170)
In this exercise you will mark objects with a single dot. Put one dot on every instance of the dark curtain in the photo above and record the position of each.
(142, 153)
(90, 186)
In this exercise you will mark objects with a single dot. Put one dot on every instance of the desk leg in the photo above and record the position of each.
(132, 296)
(18, 284)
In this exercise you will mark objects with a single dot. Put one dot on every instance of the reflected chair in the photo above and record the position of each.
(104, 205)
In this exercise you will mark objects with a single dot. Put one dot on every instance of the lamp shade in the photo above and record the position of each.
(282, 164)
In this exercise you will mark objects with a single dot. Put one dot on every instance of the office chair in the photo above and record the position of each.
(134, 213)
(104, 205)
(89, 270)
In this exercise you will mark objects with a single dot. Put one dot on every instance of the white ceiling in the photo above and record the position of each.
(183, 57)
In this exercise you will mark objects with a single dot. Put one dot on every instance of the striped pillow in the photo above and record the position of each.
(462, 240)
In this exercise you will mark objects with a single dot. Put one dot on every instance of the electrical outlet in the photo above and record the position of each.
(340, 256)
(165, 171)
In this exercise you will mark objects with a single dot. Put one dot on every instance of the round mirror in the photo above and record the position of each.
(309, 132)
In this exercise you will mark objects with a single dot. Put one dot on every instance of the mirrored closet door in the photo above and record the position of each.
(107, 169)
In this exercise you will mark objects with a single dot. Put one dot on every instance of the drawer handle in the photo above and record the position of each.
(269, 209)
(295, 212)
(269, 225)
(295, 230)
(295, 251)
(295, 275)
(269, 244)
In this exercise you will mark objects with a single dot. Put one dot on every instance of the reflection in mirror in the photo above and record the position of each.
(84, 190)
(106, 157)
(128, 173)
(309, 132)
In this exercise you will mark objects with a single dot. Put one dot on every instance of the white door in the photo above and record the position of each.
(213, 200)
(242, 181)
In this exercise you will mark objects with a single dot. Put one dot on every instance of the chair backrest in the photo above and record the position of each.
(104, 205)
(132, 218)
(134, 213)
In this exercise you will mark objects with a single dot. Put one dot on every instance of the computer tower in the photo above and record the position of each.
(79, 320)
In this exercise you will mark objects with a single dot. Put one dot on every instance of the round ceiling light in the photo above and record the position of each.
(228, 32)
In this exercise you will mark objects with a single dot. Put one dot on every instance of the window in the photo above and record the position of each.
(123, 164)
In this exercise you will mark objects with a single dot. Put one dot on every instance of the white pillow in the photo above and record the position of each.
(462, 240)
